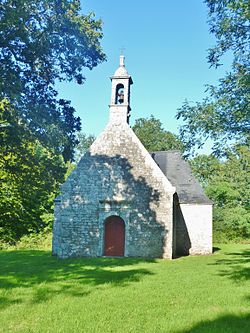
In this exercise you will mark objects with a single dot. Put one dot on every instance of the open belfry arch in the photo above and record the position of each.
(120, 93)
(119, 200)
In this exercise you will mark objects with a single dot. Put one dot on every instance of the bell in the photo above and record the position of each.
(121, 97)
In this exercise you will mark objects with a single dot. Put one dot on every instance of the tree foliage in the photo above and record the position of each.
(84, 142)
(29, 178)
(226, 182)
(154, 137)
(224, 114)
(43, 42)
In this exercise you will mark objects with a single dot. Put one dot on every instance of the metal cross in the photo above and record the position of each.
(122, 49)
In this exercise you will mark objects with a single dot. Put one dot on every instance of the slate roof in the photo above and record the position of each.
(179, 173)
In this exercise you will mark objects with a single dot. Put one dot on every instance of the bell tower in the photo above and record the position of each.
(119, 108)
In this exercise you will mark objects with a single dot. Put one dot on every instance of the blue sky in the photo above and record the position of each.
(166, 46)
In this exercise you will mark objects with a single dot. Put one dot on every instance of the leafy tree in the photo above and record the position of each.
(84, 142)
(43, 42)
(226, 182)
(224, 114)
(204, 168)
(30, 175)
(154, 137)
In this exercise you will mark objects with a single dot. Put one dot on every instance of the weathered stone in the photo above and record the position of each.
(118, 177)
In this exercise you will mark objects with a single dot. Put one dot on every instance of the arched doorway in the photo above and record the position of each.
(114, 236)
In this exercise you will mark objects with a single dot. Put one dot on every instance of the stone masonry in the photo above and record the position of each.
(116, 177)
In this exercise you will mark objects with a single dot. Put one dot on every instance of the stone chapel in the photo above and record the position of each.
(122, 200)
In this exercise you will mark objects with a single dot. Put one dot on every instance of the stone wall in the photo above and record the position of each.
(116, 177)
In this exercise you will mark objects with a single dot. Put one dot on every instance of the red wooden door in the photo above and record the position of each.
(114, 236)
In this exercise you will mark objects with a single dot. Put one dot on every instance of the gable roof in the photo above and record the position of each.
(178, 172)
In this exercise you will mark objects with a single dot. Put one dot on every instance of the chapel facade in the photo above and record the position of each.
(122, 200)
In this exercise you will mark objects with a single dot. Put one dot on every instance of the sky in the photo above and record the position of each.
(166, 45)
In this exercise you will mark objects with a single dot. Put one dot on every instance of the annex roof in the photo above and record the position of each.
(178, 172)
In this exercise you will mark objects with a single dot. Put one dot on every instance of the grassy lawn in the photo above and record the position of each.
(39, 293)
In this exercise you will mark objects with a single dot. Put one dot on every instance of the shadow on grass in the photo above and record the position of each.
(224, 324)
(48, 276)
(237, 266)
(247, 298)
(216, 249)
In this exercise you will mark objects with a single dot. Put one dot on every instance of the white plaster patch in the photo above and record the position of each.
(198, 219)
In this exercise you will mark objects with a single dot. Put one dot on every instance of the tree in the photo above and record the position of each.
(226, 182)
(43, 42)
(30, 176)
(84, 142)
(154, 137)
(224, 114)
(204, 167)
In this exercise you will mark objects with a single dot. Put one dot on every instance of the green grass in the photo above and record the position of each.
(40, 293)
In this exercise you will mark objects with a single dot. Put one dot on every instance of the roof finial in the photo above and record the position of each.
(122, 49)
(122, 57)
